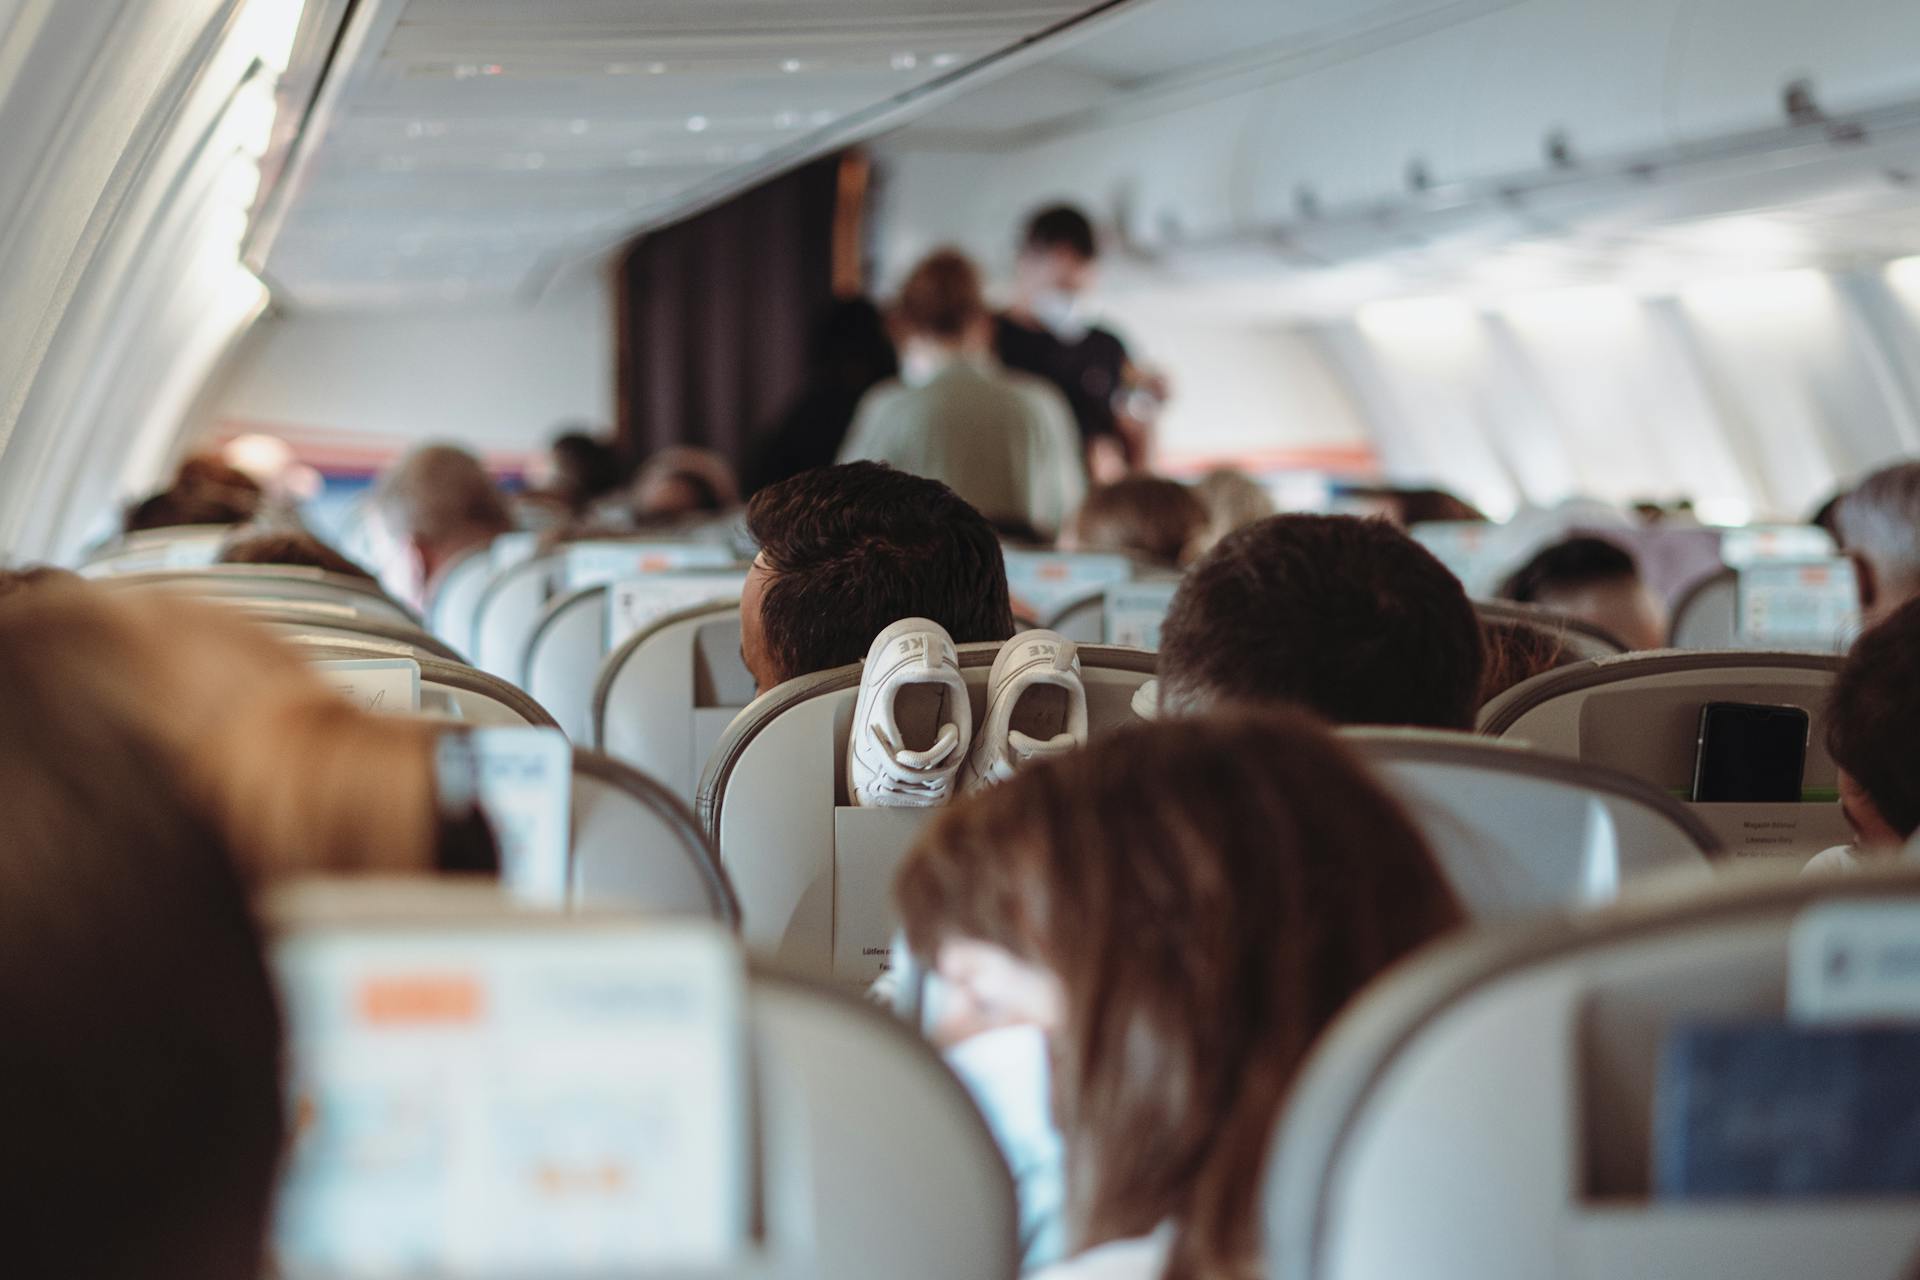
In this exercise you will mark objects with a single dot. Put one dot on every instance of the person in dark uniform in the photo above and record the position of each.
(1044, 333)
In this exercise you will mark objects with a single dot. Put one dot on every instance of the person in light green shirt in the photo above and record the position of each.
(1004, 441)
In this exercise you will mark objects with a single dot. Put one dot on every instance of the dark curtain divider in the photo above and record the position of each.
(714, 314)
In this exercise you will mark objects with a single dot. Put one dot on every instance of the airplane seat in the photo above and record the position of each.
(1128, 614)
(1804, 604)
(1518, 832)
(189, 546)
(289, 582)
(1579, 639)
(1084, 620)
(637, 845)
(562, 658)
(1708, 615)
(317, 620)
(813, 872)
(449, 689)
(1640, 714)
(1487, 1111)
(455, 597)
(663, 699)
(760, 1123)
(508, 611)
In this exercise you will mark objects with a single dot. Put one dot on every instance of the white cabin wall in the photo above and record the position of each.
(498, 378)
(1620, 394)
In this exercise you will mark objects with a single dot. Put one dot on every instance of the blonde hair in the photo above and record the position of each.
(297, 780)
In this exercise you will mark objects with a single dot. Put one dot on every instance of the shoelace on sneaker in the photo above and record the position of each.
(893, 775)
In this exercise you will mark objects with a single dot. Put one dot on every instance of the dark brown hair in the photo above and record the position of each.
(1210, 895)
(855, 548)
(942, 297)
(289, 547)
(1150, 517)
(1516, 652)
(1349, 618)
(141, 1053)
(1873, 717)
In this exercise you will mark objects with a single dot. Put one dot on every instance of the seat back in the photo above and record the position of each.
(636, 845)
(1486, 1112)
(1640, 714)
(157, 550)
(1579, 640)
(509, 609)
(324, 622)
(1047, 581)
(1708, 615)
(292, 583)
(1517, 832)
(449, 689)
(563, 658)
(784, 1080)
(456, 597)
(663, 699)
(574, 634)
(1129, 614)
(1772, 604)
(814, 873)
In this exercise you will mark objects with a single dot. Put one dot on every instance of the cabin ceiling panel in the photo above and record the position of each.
(472, 147)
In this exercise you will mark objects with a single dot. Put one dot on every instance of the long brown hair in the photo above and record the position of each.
(1210, 893)
(297, 780)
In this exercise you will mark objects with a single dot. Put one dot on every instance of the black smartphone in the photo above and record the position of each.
(1750, 754)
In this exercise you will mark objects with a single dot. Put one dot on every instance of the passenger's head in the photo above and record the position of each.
(849, 346)
(1349, 618)
(205, 490)
(1148, 517)
(297, 780)
(680, 483)
(847, 551)
(297, 547)
(1516, 652)
(584, 469)
(1183, 907)
(140, 1060)
(1879, 525)
(1233, 500)
(1058, 251)
(440, 501)
(942, 305)
(1429, 506)
(1597, 582)
(1873, 730)
(17, 582)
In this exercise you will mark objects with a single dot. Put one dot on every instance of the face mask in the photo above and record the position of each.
(1061, 313)
(1006, 1071)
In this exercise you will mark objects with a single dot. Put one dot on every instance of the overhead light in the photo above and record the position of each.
(656, 68)
(788, 119)
(578, 127)
(905, 61)
(792, 65)
(945, 59)
(697, 124)
(1904, 276)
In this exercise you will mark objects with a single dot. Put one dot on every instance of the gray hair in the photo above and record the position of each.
(441, 493)
(1880, 521)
